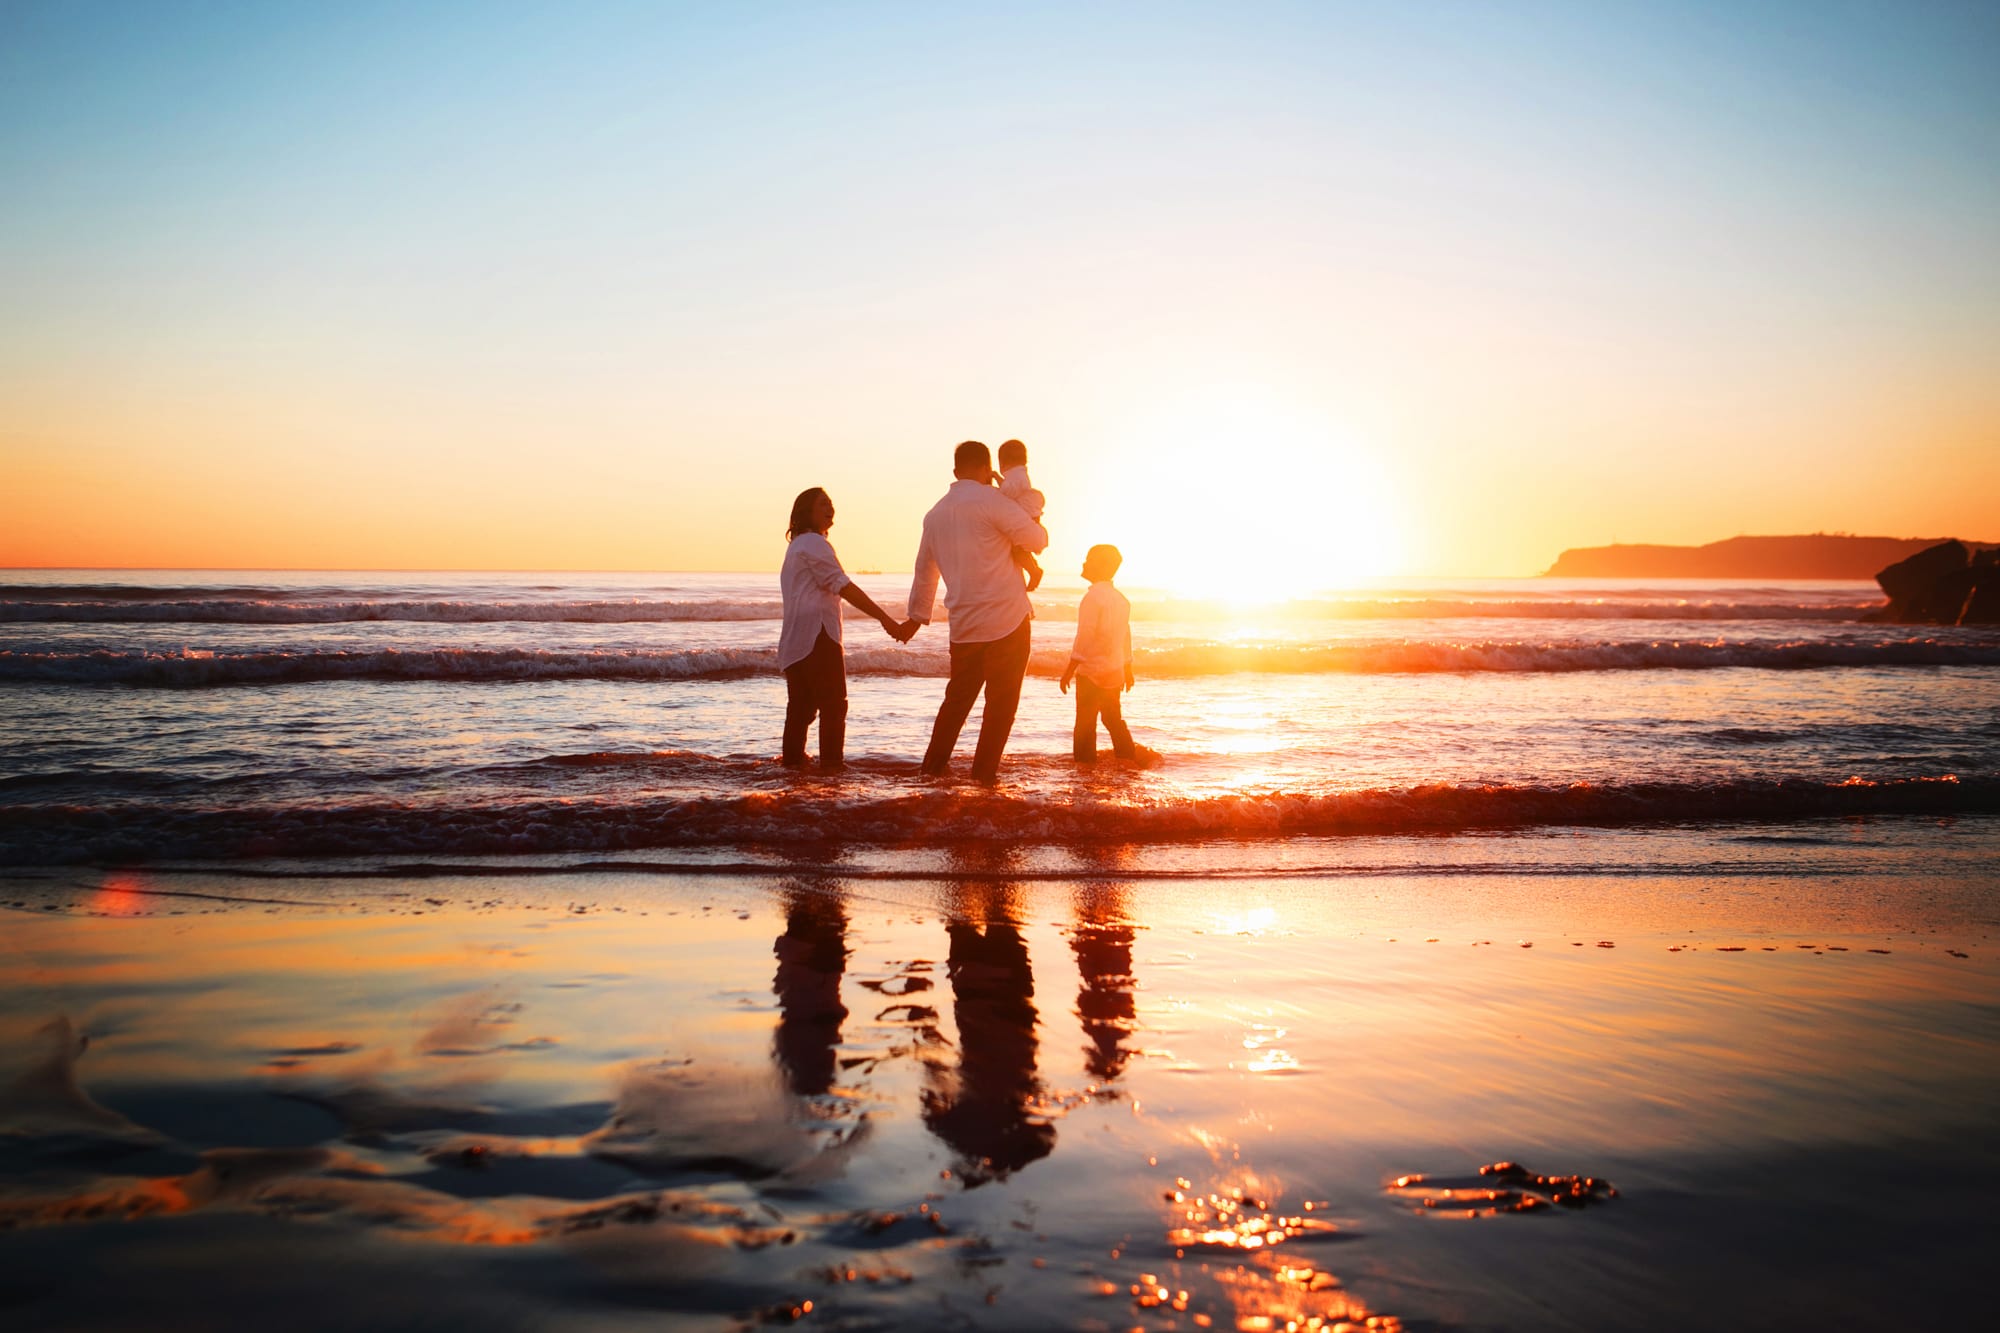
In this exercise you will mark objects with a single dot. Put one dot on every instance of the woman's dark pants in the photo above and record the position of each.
(1092, 702)
(816, 686)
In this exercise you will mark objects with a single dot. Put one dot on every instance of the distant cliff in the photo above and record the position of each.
(1818, 556)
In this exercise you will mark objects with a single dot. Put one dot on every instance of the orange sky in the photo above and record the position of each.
(1338, 291)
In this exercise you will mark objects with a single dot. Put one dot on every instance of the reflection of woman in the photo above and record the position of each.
(814, 586)
(812, 955)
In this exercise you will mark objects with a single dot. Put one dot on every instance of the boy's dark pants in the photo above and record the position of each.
(996, 666)
(817, 684)
(1092, 702)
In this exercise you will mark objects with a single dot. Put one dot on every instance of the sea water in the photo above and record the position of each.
(190, 714)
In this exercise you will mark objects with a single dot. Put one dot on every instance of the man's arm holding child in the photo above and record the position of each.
(1019, 529)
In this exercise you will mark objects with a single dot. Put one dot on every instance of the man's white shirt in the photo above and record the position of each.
(969, 537)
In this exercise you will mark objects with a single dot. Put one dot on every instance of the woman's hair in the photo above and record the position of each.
(802, 512)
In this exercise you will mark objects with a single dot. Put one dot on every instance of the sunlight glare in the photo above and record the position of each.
(1232, 494)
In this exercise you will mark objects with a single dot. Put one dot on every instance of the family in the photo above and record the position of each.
(981, 539)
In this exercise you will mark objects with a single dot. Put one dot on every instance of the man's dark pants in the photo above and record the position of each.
(1092, 702)
(997, 667)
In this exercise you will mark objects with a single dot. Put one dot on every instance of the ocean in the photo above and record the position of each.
(185, 714)
(438, 951)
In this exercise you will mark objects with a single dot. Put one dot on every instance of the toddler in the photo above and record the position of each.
(1014, 484)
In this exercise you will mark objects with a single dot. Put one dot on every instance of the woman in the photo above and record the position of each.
(814, 586)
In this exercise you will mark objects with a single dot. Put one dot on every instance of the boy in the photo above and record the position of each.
(1014, 484)
(1101, 661)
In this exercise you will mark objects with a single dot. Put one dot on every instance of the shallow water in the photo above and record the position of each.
(1140, 1088)
(180, 715)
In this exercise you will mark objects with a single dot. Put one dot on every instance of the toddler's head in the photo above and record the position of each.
(1100, 563)
(1013, 454)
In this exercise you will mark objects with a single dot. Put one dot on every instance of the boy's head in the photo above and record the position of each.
(1013, 454)
(1100, 563)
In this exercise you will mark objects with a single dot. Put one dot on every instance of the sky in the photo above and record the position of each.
(1297, 292)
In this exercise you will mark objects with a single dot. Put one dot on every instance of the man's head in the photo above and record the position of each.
(1013, 454)
(972, 461)
(1100, 563)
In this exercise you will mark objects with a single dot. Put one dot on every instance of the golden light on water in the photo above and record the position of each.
(1249, 921)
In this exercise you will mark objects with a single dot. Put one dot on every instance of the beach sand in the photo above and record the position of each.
(642, 1098)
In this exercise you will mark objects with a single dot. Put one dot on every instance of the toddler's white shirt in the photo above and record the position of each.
(1014, 484)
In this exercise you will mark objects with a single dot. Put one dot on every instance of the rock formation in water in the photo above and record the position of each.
(1816, 556)
(1951, 583)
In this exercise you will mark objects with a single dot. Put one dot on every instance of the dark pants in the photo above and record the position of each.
(1092, 702)
(997, 667)
(816, 685)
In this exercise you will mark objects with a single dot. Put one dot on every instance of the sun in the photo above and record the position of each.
(1234, 495)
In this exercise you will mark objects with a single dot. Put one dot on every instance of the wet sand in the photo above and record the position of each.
(620, 1100)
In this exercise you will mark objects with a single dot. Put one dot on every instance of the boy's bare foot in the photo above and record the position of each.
(1145, 756)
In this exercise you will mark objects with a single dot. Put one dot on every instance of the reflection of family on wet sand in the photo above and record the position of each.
(985, 1106)
(980, 539)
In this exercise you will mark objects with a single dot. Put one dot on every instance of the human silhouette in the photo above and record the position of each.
(982, 1108)
(812, 956)
(1102, 942)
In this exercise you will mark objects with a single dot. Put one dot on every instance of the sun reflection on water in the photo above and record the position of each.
(1250, 921)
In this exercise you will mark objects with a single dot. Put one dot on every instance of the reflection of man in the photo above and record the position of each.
(969, 538)
(983, 1113)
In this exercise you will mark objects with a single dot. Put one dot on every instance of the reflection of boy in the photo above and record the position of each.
(1014, 484)
(1101, 661)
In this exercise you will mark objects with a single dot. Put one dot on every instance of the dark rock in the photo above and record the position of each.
(1949, 584)
(1983, 607)
(1909, 582)
(1949, 595)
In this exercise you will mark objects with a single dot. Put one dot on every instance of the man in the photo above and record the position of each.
(969, 538)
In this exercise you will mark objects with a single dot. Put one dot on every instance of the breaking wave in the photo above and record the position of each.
(810, 814)
(192, 668)
(246, 607)
(230, 611)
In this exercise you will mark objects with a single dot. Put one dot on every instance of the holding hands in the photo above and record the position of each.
(902, 631)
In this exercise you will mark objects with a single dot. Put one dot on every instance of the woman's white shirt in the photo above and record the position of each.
(811, 579)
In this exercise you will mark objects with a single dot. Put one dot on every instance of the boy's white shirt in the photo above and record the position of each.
(1014, 484)
(1103, 636)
